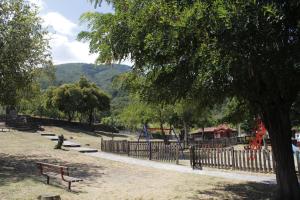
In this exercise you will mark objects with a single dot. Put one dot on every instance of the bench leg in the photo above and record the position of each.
(48, 178)
(69, 185)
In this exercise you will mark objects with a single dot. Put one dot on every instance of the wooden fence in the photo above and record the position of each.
(228, 158)
(222, 142)
(153, 150)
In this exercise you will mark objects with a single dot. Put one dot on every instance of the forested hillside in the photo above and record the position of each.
(102, 75)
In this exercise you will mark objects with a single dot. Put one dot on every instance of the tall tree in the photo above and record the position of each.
(68, 98)
(214, 49)
(93, 99)
(23, 47)
(82, 97)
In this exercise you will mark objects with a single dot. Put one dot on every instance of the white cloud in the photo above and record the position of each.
(59, 23)
(64, 47)
(65, 50)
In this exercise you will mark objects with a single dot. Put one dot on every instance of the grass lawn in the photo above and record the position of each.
(103, 179)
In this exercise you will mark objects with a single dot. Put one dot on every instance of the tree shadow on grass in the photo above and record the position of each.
(14, 168)
(249, 190)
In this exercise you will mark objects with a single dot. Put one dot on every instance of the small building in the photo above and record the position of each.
(209, 133)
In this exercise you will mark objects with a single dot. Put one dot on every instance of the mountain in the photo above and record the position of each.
(101, 75)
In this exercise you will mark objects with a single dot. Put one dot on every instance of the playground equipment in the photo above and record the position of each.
(146, 133)
(260, 132)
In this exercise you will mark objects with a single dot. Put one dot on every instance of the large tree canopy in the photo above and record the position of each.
(82, 97)
(212, 49)
(23, 47)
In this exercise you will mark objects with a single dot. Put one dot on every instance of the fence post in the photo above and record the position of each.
(101, 143)
(177, 155)
(192, 156)
(232, 158)
(298, 161)
(269, 161)
(128, 148)
(150, 151)
(274, 163)
(260, 161)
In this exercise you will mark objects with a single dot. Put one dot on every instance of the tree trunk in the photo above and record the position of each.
(70, 117)
(186, 134)
(277, 122)
(91, 117)
(163, 133)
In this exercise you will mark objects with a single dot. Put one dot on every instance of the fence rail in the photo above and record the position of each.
(227, 158)
(153, 150)
(223, 142)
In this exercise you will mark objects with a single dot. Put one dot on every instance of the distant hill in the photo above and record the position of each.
(102, 75)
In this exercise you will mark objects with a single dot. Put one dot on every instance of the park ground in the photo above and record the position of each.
(104, 179)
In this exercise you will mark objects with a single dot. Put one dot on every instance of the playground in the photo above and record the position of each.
(237, 153)
(104, 178)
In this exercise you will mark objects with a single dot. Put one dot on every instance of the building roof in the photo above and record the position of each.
(220, 128)
(206, 130)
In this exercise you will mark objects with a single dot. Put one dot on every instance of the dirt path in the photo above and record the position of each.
(234, 175)
(104, 178)
(261, 178)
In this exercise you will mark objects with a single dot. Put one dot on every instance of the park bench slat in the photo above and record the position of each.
(72, 179)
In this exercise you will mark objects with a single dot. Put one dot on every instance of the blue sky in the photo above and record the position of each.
(61, 17)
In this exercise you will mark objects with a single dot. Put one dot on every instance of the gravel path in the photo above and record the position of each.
(242, 176)
(261, 178)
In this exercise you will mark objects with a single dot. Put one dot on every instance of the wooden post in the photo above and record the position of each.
(273, 163)
(269, 161)
(192, 156)
(204, 156)
(228, 159)
(101, 143)
(260, 161)
(210, 155)
(264, 161)
(240, 160)
(232, 158)
(214, 157)
(256, 161)
(177, 155)
(128, 148)
(150, 151)
(225, 159)
(298, 161)
(236, 160)
(248, 159)
(244, 157)
(221, 156)
(251, 160)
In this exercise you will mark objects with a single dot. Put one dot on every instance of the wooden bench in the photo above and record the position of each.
(57, 171)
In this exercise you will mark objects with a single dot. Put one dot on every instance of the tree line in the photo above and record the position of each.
(209, 51)
(82, 101)
(186, 53)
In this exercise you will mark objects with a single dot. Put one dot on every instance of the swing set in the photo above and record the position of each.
(147, 134)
